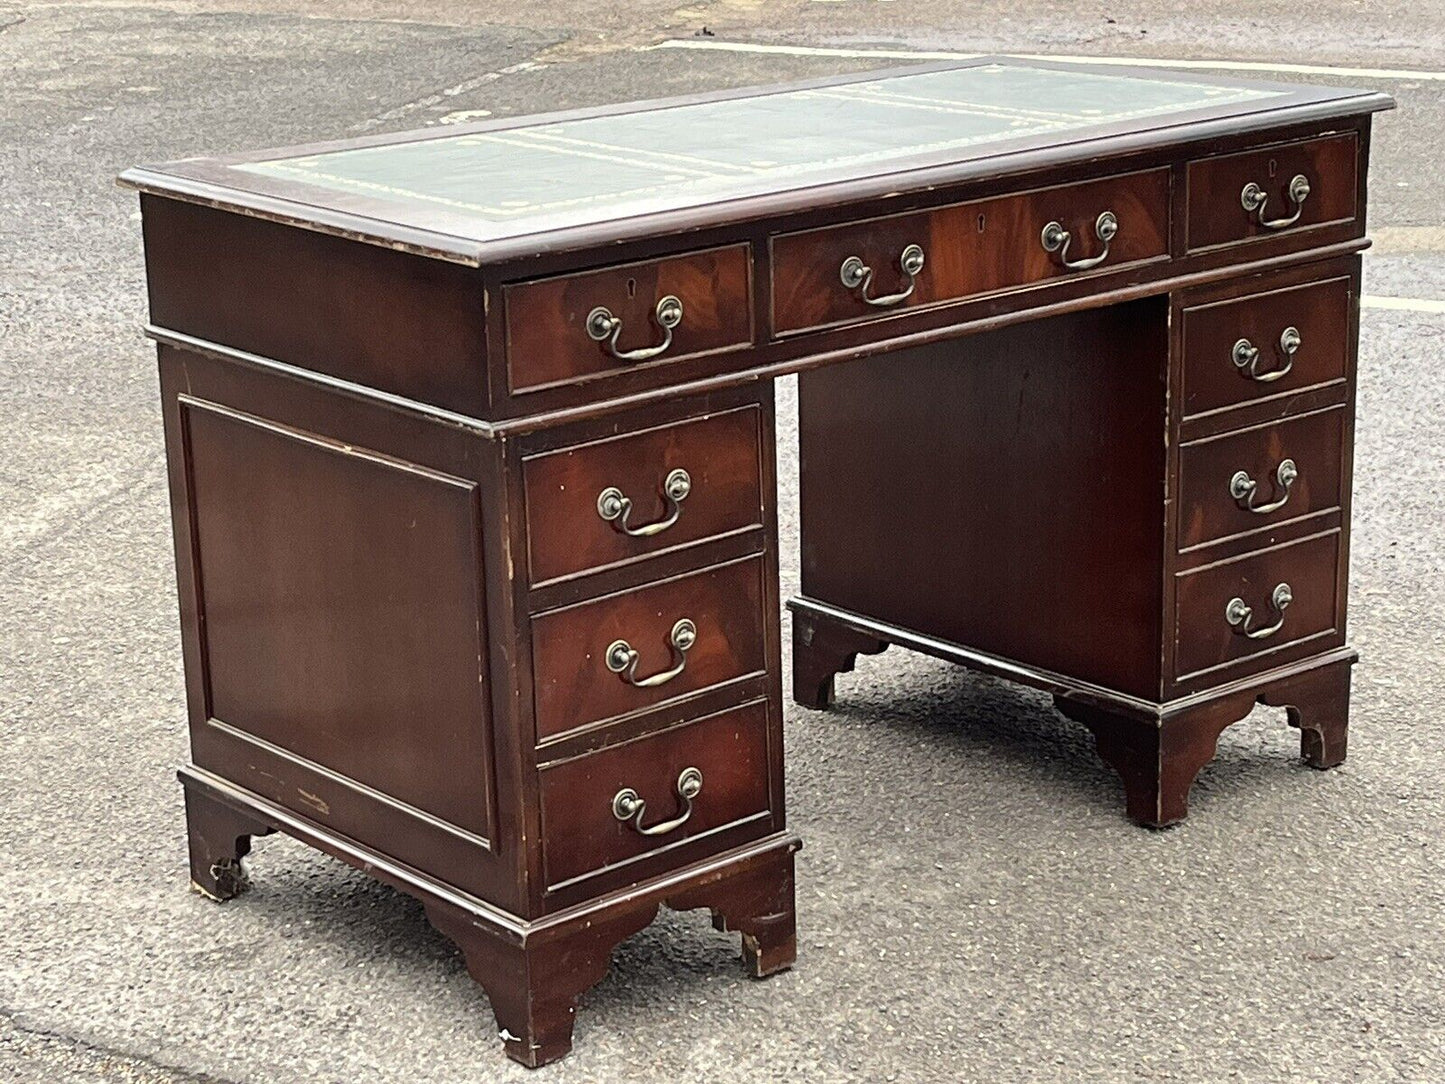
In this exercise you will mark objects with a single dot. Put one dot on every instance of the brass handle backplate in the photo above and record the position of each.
(858, 277)
(622, 658)
(605, 328)
(1244, 489)
(614, 507)
(629, 806)
(1056, 239)
(1253, 199)
(1246, 356)
(1239, 614)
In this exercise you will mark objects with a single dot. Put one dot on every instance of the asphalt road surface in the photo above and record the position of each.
(972, 903)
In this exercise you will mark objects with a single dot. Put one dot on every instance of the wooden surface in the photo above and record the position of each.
(547, 340)
(722, 455)
(1313, 442)
(731, 751)
(573, 685)
(1022, 514)
(1318, 310)
(1216, 216)
(970, 248)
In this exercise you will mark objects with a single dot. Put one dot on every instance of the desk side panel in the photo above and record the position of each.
(389, 320)
(335, 613)
(1003, 492)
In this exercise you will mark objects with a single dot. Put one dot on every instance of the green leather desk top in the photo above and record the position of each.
(522, 178)
(694, 154)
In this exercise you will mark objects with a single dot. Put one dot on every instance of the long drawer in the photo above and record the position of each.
(663, 790)
(862, 270)
(1236, 615)
(636, 649)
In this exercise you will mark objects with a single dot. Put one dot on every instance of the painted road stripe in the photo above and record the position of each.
(1403, 304)
(1118, 61)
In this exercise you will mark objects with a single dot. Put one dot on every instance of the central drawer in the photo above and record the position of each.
(637, 649)
(863, 270)
(657, 792)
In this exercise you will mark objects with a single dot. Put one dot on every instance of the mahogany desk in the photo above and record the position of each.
(471, 454)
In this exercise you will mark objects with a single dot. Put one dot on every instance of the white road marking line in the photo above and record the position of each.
(1369, 301)
(1118, 61)
(1403, 304)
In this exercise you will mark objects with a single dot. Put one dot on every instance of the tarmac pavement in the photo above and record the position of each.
(973, 906)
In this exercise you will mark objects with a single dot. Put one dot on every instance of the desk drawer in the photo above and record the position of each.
(1224, 611)
(1222, 212)
(857, 271)
(599, 323)
(593, 661)
(1221, 366)
(620, 499)
(698, 778)
(1243, 481)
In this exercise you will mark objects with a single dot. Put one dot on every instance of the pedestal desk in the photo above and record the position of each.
(470, 435)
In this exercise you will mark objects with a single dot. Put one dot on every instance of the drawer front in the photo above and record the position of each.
(967, 249)
(1213, 627)
(726, 761)
(1232, 484)
(580, 678)
(555, 327)
(623, 498)
(1217, 201)
(1220, 372)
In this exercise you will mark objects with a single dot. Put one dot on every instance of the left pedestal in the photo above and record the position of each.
(446, 659)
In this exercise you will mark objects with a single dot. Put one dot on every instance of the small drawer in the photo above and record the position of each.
(1244, 610)
(636, 649)
(626, 801)
(1266, 343)
(840, 274)
(600, 323)
(1251, 479)
(1272, 191)
(617, 500)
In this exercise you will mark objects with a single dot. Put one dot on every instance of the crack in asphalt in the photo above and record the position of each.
(74, 1046)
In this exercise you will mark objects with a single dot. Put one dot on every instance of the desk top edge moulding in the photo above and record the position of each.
(471, 453)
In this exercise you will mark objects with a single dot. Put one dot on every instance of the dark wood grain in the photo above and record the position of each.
(307, 580)
(1208, 511)
(721, 453)
(1216, 216)
(583, 836)
(1208, 643)
(969, 248)
(383, 319)
(1021, 514)
(546, 321)
(573, 685)
(1320, 311)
